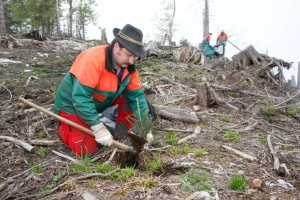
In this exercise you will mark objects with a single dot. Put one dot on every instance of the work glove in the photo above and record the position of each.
(102, 135)
(150, 138)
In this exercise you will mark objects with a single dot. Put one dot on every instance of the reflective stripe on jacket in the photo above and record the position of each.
(91, 86)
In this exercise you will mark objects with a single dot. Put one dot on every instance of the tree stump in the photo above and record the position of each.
(183, 54)
(248, 56)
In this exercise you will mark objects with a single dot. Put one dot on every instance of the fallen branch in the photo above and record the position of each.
(29, 79)
(25, 145)
(240, 153)
(192, 136)
(272, 151)
(173, 82)
(159, 149)
(44, 142)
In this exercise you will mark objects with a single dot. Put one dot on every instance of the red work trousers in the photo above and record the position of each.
(82, 143)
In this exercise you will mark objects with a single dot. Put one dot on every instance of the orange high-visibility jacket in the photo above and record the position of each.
(222, 36)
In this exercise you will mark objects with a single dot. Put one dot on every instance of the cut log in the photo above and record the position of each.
(171, 113)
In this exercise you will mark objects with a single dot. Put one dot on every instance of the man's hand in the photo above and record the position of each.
(102, 135)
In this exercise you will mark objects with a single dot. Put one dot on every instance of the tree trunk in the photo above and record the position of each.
(206, 19)
(70, 18)
(170, 35)
(103, 36)
(2, 19)
(57, 17)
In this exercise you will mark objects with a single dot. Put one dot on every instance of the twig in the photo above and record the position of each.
(111, 156)
(159, 149)
(268, 93)
(170, 81)
(10, 97)
(29, 79)
(44, 128)
(66, 157)
(177, 130)
(44, 142)
(81, 178)
(269, 75)
(248, 128)
(25, 145)
(240, 153)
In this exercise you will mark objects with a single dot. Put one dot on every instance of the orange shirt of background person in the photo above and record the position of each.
(223, 36)
(207, 37)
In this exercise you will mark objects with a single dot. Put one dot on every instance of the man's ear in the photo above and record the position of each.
(117, 46)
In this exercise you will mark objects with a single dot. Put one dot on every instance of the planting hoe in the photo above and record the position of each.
(135, 139)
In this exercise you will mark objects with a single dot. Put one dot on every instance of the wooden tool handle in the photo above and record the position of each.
(86, 130)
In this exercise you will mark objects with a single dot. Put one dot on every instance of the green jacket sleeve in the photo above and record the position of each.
(137, 102)
(84, 104)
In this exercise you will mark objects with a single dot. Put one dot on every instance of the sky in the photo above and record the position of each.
(271, 26)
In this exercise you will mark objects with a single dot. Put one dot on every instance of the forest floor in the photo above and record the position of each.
(253, 114)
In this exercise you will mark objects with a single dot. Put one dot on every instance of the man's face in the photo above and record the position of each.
(123, 57)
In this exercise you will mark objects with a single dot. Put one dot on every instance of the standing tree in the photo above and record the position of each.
(2, 19)
(57, 17)
(166, 24)
(72, 10)
(84, 14)
(206, 19)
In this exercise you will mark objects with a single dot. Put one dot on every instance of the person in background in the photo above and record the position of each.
(101, 77)
(207, 38)
(222, 37)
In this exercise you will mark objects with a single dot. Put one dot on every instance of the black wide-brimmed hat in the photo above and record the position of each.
(132, 39)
